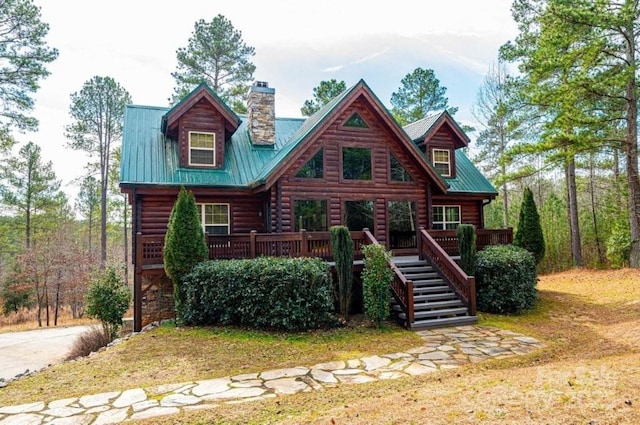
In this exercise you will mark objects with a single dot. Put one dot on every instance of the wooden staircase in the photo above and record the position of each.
(435, 303)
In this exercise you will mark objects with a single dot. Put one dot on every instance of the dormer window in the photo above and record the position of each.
(202, 149)
(442, 161)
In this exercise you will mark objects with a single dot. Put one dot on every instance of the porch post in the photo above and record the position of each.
(252, 244)
(137, 286)
(304, 246)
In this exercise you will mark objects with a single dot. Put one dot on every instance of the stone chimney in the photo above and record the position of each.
(261, 113)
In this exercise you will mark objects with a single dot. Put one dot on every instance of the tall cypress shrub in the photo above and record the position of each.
(467, 246)
(184, 245)
(529, 233)
(342, 248)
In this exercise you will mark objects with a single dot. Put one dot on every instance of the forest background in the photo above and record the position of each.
(556, 113)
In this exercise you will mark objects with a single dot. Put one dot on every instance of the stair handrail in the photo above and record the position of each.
(401, 287)
(463, 285)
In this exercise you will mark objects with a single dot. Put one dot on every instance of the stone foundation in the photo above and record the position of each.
(157, 300)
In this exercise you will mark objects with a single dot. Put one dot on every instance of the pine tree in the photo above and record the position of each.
(184, 244)
(529, 233)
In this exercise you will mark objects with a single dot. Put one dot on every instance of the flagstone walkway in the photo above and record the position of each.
(443, 348)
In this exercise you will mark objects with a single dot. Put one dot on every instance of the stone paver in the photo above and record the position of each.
(443, 348)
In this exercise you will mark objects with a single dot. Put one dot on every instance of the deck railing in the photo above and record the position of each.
(448, 240)
(251, 245)
(463, 285)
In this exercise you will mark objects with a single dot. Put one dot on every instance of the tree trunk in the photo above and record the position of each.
(631, 147)
(103, 226)
(594, 215)
(505, 207)
(46, 298)
(574, 226)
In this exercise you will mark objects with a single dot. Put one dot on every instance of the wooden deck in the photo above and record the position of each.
(437, 247)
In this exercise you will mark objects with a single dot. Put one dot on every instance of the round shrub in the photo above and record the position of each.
(506, 279)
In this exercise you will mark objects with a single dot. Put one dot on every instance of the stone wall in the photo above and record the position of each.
(157, 301)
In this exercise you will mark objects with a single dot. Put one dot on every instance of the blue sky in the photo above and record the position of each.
(298, 44)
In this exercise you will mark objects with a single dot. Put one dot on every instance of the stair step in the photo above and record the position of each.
(428, 282)
(421, 290)
(435, 314)
(433, 305)
(448, 321)
(440, 313)
(421, 276)
(409, 265)
(435, 297)
(414, 269)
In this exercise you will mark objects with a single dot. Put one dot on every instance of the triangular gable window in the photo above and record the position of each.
(398, 172)
(356, 121)
(314, 168)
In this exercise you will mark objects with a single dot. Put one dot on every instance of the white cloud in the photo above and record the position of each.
(333, 68)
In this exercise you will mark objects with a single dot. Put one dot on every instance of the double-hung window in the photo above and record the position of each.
(202, 149)
(446, 217)
(442, 161)
(214, 218)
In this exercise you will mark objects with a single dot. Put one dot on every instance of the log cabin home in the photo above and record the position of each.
(266, 185)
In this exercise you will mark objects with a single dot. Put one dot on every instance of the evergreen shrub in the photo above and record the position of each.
(184, 245)
(467, 247)
(506, 279)
(290, 294)
(529, 232)
(376, 279)
(342, 248)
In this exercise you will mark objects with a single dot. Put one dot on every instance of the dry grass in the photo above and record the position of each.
(169, 355)
(588, 373)
(26, 320)
(89, 342)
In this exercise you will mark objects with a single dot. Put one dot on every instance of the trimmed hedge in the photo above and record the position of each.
(270, 293)
(506, 279)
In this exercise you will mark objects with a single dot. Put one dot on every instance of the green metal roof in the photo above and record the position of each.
(468, 178)
(150, 158)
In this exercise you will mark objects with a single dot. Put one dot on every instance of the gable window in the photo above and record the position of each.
(310, 215)
(314, 168)
(398, 172)
(442, 161)
(214, 218)
(356, 163)
(356, 121)
(202, 149)
(445, 217)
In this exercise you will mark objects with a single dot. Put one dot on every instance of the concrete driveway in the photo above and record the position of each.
(35, 349)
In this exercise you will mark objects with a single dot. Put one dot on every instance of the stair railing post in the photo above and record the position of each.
(304, 246)
(420, 253)
(252, 244)
(472, 295)
(410, 311)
